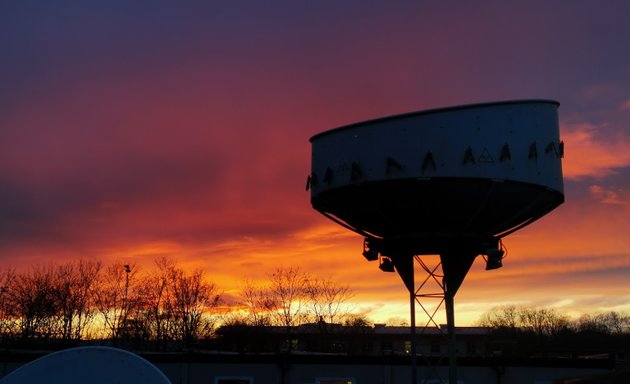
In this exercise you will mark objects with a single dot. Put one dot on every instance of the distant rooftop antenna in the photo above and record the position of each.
(450, 182)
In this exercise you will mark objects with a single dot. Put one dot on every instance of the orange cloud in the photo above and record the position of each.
(614, 196)
(591, 154)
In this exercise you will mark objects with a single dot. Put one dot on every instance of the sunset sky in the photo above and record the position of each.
(130, 130)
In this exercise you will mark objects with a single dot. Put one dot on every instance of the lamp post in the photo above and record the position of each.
(125, 301)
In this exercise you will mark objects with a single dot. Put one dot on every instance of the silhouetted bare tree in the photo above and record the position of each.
(327, 300)
(287, 294)
(157, 316)
(8, 318)
(292, 297)
(612, 323)
(175, 304)
(192, 298)
(506, 316)
(541, 321)
(117, 298)
(397, 321)
(257, 304)
(75, 283)
(616, 323)
(33, 302)
(357, 320)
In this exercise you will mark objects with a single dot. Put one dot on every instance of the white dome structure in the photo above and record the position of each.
(94, 365)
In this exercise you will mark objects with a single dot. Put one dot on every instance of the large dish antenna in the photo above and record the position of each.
(451, 182)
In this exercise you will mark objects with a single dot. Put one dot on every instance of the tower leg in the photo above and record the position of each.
(452, 342)
(414, 357)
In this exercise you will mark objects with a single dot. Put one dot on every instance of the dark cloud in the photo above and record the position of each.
(194, 198)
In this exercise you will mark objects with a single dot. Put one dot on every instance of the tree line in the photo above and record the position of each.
(550, 322)
(162, 306)
(83, 300)
(527, 331)
(166, 305)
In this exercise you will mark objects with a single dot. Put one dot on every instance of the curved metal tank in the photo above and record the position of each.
(468, 173)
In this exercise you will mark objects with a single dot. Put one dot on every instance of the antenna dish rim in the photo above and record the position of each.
(431, 111)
